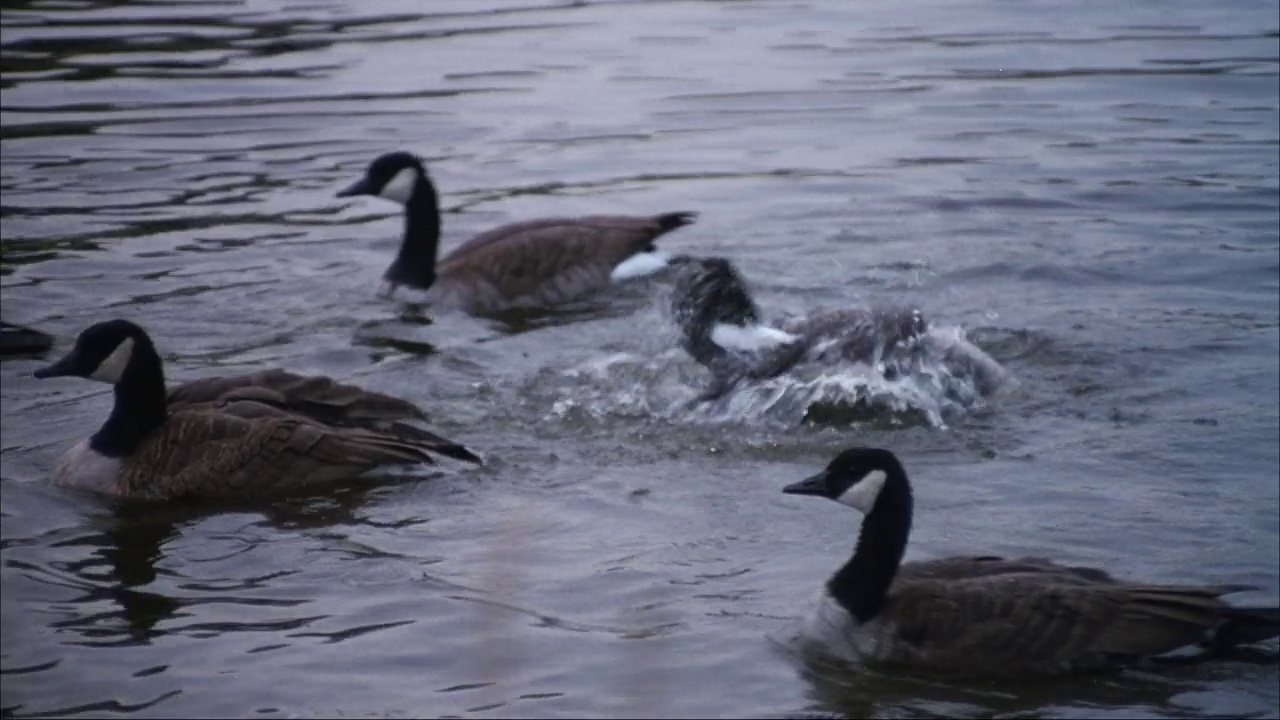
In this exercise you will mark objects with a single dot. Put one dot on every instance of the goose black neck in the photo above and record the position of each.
(415, 265)
(708, 295)
(140, 404)
(862, 584)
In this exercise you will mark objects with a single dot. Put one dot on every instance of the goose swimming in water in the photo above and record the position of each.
(722, 328)
(987, 615)
(231, 437)
(536, 263)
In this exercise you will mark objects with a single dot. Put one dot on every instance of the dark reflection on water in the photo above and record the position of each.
(1091, 192)
(1152, 690)
(131, 540)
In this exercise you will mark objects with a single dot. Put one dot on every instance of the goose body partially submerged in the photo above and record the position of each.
(228, 438)
(531, 264)
(986, 615)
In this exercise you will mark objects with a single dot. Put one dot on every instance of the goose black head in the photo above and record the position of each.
(708, 292)
(102, 352)
(719, 324)
(854, 478)
(711, 286)
(394, 176)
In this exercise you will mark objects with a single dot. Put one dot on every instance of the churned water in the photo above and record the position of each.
(1087, 191)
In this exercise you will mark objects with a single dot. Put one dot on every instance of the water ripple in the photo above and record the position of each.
(1089, 190)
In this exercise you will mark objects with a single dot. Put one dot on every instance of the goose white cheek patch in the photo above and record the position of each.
(749, 338)
(862, 496)
(639, 265)
(112, 369)
(400, 188)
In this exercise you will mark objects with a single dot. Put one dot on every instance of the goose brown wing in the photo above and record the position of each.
(533, 269)
(316, 396)
(976, 566)
(1019, 623)
(217, 455)
(281, 394)
(543, 262)
(861, 330)
(621, 231)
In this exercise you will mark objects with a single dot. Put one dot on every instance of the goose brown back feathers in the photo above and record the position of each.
(211, 455)
(1053, 620)
(316, 396)
(543, 262)
(612, 237)
(320, 399)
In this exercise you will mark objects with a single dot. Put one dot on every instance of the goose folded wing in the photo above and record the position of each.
(546, 265)
(626, 231)
(1017, 623)
(212, 455)
(544, 249)
(977, 566)
(319, 397)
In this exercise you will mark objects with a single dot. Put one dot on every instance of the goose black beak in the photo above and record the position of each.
(64, 367)
(359, 187)
(815, 485)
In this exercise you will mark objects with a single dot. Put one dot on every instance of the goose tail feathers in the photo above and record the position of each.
(1248, 625)
(671, 221)
(416, 435)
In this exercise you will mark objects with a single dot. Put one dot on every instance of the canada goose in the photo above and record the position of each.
(994, 616)
(721, 327)
(535, 263)
(152, 448)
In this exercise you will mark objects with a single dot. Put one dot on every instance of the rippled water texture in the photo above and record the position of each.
(1088, 191)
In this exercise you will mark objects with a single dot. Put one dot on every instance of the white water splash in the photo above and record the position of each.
(950, 378)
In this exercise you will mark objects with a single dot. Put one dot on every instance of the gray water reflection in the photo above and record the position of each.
(1090, 191)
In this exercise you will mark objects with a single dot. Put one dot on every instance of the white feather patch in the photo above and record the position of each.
(400, 188)
(112, 369)
(861, 496)
(82, 467)
(749, 338)
(831, 627)
(639, 265)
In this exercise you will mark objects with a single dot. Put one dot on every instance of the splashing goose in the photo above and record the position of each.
(209, 441)
(536, 263)
(995, 616)
(721, 327)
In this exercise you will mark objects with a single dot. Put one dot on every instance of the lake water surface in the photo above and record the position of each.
(1090, 190)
